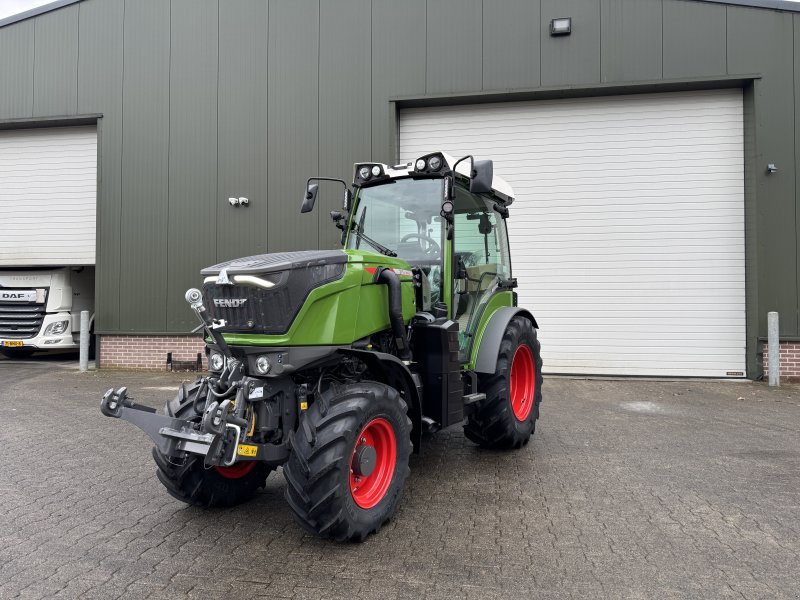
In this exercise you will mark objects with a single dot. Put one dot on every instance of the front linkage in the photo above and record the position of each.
(227, 407)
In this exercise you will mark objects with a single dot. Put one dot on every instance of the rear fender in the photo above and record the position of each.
(486, 361)
(391, 371)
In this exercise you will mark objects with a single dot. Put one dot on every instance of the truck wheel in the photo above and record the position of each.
(193, 483)
(349, 461)
(507, 418)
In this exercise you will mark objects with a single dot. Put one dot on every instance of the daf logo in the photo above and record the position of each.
(229, 302)
(11, 296)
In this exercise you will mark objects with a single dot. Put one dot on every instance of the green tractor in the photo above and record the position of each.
(333, 363)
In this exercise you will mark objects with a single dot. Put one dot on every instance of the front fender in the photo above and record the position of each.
(486, 361)
(395, 373)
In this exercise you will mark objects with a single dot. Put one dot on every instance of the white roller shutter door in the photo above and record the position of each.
(627, 234)
(48, 196)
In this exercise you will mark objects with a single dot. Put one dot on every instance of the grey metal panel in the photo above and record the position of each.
(398, 66)
(145, 166)
(572, 59)
(35, 12)
(796, 24)
(511, 38)
(763, 40)
(100, 91)
(694, 39)
(631, 40)
(345, 104)
(16, 67)
(293, 120)
(191, 241)
(454, 30)
(242, 129)
(55, 74)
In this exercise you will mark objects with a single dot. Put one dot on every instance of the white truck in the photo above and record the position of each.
(40, 307)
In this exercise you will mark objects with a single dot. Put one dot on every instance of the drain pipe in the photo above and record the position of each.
(392, 281)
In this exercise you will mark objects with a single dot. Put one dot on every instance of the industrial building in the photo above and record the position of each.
(652, 146)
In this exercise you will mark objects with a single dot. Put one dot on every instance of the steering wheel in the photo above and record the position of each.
(433, 250)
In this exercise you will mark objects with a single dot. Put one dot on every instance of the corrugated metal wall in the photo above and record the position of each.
(206, 99)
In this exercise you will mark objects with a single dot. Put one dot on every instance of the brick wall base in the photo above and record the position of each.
(789, 355)
(148, 351)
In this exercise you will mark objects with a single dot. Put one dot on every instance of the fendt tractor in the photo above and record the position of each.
(333, 363)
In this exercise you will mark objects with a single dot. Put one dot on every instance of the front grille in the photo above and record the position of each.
(19, 321)
(268, 310)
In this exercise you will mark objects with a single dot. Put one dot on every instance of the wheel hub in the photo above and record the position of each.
(364, 460)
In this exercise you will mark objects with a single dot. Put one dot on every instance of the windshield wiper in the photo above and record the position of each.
(379, 247)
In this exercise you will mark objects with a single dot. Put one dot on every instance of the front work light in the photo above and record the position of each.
(368, 172)
(216, 361)
(430, 163)
(263, 365)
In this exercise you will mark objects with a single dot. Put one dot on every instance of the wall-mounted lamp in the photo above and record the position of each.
(562, 26)
(238, 201)
(771, 168)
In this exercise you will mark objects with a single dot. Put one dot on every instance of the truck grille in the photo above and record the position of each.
(250, 309)
(20, 321)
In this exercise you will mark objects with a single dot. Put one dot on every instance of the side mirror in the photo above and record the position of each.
(481, 177)
(310, 198)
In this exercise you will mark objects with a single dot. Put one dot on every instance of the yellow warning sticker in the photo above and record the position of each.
(247, 450)
(304, 406)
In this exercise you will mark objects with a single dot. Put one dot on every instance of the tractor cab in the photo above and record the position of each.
(444, 217)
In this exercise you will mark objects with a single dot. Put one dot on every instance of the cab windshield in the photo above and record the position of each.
(400, 218)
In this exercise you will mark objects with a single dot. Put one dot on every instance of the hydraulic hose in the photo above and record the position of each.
(390, 279)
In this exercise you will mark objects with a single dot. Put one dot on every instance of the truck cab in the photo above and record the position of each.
(40, 307)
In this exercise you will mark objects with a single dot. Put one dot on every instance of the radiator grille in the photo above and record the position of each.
(20, 321)
(267, 310)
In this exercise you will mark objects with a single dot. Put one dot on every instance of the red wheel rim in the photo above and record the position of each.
(369, 490)
(522, 382)
(237, 471)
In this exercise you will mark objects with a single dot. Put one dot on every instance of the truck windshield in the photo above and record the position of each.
(400, 217)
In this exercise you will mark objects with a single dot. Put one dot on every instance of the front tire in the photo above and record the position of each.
(191, 482)
(507, 417)
(349, 461)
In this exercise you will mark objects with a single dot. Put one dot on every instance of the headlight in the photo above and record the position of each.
(216, 361)
(364, 172)
(263, 365)
(420, 164)
(435, 163)
(56, 328)
(376, 170)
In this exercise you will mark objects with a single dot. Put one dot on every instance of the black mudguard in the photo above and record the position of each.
(392, 369)
(493, 335)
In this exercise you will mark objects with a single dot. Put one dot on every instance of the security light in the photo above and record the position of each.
(561, 26)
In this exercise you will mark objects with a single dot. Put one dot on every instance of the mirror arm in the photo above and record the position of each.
(462, 159)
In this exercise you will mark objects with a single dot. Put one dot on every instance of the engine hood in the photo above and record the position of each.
(278, 261)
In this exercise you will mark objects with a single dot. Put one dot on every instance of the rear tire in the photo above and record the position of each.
(191, 482)
(507, 417)
(349, 461)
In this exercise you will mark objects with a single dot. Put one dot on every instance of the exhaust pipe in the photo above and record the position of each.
(392, 281)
